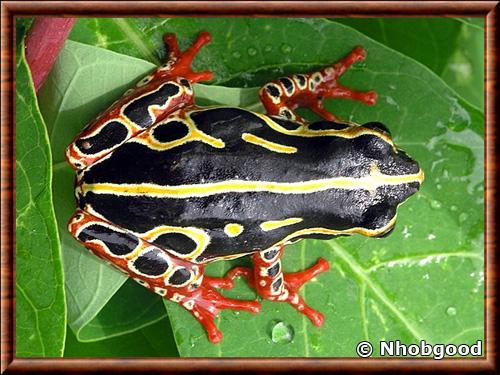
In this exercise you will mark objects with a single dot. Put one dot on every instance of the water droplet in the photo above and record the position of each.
(463, 217)
(268, 48)
(426, 276)
(406, 232)
(453, 208)
(285, 48)
(252, 51)
(431, 236)
(282, 333)
(436, 204)
(439, 186)
(267, 27)
(451, 311)
(236, 54)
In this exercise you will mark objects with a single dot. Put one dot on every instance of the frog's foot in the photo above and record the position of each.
(205, 303)
(179, 63)
(283, 96)
(272, 284)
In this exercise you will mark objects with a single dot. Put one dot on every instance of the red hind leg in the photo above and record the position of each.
(272, 284)
(283, 96)
(154, 268)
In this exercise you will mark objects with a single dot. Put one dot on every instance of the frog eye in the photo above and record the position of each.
(378, 126)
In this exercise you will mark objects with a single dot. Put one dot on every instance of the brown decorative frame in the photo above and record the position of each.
(12, 9)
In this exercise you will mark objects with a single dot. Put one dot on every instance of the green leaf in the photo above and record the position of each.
(425, 281)
(40, 307)
(465, 68)
(69, 99)
(452, 47)
(150, 341)
(430, 41)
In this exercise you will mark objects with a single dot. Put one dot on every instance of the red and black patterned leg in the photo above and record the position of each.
(283, 96)
(272, 284)
(154, 268)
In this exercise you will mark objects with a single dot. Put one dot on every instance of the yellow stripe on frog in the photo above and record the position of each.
(271, 146)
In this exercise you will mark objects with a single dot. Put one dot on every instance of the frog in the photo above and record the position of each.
(164, 187)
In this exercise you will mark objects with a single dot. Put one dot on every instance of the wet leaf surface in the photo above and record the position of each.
(425, 281)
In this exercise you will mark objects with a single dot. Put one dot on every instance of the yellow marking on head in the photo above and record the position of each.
(370, 182)
(199, 236)
(274, 224)
(233, 229)
(271, 146)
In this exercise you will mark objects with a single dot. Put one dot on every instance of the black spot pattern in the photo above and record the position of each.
(151, 263)
(302, 80)
(178, 242)
(180, 276)
(110, 135)
(287, 84)
(273, 271)
(270, 254)
(276, 285)
(170, 131)
(137, 111)
(273, 91)
(117, 242)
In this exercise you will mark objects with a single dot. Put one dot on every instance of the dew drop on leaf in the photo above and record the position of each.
(282, 333)
(268, 48)
(286, 48)
(451, 311)
(436, 204)
(236, 54)
(251, 51)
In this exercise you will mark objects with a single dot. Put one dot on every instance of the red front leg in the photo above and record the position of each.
(272, 284)
(283, 96)
(179, 63)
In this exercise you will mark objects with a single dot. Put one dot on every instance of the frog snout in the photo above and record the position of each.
(404, 164)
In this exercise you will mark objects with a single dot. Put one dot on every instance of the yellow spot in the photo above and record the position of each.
(274, 224)
(272, 146)
(233, 229)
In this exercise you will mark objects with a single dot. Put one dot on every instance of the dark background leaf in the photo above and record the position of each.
(425, 280)
(40, 305)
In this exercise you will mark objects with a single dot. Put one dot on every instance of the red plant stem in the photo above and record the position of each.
(43, 43)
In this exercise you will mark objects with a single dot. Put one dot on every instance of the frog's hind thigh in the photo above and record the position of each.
(156, 269)
(273, 284)
(282, 96)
